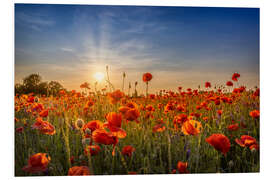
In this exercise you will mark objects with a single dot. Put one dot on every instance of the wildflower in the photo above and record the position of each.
(159, 128)
(233, 127)
(20, 129)
(43, 113)
(247, 141)
(191, 127)
(79, 171)
(220, 142)
(147, 77)
(114, 124)
(235, 76)
(114, 119)
(103, 137)
(229, 83)
(128, 150)
(132, 114)
(219, 112)
(207, 84)
(44, 127)
(93, 149)
(182, 167)
(37, 163)
(115, 96)
(93, 125)
(79, 123)
(254, 113)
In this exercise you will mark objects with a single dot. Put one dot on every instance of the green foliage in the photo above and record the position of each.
(34, 84)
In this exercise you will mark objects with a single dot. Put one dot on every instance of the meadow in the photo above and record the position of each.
(107, 132)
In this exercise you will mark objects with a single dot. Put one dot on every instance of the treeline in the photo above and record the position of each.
(34, 84)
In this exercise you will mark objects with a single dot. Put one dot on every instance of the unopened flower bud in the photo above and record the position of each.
(79, 123)
(86, 141)
(253, 150)
(88, 131)
(230, 164)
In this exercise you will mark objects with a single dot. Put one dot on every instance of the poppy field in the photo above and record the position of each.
(210, 129)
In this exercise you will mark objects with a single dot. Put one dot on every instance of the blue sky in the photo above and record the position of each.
(180, 46)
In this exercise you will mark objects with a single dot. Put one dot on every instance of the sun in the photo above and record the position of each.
(99, 76)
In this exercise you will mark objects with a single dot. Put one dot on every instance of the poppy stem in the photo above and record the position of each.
(146, 89)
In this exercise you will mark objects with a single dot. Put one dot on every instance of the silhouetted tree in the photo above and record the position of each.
(33, 84)
(54, 87)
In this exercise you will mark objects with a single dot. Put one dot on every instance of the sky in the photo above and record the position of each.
(179, 46)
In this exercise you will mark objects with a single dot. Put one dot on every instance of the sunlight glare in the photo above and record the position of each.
(99, 76)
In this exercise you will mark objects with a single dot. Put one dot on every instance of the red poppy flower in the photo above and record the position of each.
(37, 163)
(128, 150)
(114, 119)
(103, 137)
(44, 113)
(254, 113)
(233, 127)
(132, 114)
(159, 128)
(182, 167)
(229, 83)
(93, 149)
(220, 142)
(219, 112)
(191, 127)
(247, 141)
(115, 96)
(44, 127)
(20, 129)
(79, 171)
(207, 84)
(147, 77)
(235, 76)
(93, 125)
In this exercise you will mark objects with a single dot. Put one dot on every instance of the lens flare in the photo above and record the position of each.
(99, 76)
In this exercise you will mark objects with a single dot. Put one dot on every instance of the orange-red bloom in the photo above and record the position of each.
(147, 77)
(132, 114)
(182, 167)
(115, 96)
(44, 113)
(101, 136)
(229, 83)
(207, 84)
(93, 125)
(220, 142)
(37, 163)
(128, 150)
(114, 119)
(159, 128)
(44, 127)
(191, 127)
(235, 76)
(247, 141)
(93, 149)
(254, 113)
(233, 127)
(79, 171)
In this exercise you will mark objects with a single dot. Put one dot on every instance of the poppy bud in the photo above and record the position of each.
(79, 123)
(230, 164)
(87, 131)
(253, 150)
(81, 157)
(86, 141)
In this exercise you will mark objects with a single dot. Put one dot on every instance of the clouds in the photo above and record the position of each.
(34, 21)
(70, 43)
